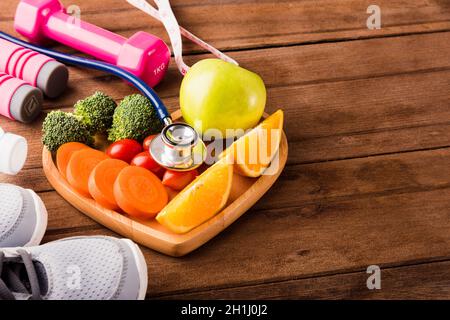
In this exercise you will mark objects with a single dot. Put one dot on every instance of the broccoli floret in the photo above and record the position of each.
(60, 127)
(134, 118)
(96, 112)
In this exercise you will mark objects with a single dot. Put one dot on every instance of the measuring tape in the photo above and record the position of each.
(165, 14)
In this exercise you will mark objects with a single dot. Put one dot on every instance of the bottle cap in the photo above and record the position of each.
(14, 153)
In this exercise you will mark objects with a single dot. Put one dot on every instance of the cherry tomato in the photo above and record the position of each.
(171, 193)
(178, 180)
(147, 141)
(145, 160)
(125, 150)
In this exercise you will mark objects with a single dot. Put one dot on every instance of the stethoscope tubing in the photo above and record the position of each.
(139, 84)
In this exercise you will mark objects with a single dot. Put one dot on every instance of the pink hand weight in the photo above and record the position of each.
(36, 69)
(19, 101)
(144, 55)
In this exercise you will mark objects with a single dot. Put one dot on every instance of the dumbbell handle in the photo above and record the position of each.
(83, 36)
(21, 62)
(36, 69)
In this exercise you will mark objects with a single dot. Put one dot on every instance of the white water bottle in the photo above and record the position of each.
(13, 152)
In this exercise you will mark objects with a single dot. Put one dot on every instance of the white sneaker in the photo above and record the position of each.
(81, 268)
(23, 217)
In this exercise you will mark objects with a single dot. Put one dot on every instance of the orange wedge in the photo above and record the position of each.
(253, 152)
(200, 200)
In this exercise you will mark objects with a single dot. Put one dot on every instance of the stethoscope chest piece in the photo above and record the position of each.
(178, 148)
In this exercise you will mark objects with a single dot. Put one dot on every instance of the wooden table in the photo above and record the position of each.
(368, 124)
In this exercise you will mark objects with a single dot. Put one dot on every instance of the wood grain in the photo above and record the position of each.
(367, 122)
(313, 240)
(348, 214)
(416, 282)
(255, 24)
(298, 65)
(357, 109)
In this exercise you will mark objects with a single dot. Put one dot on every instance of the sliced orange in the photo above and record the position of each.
(200, 200)
(253, 152)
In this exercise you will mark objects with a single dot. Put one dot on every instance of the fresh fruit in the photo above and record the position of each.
(146, 161)
(216, 94)
(200, 200)
(178, 180)
(139, 192)
(80, 166)
(64, 153)
(253, 152)
(124, 150)
(147, 141)
(101, 182)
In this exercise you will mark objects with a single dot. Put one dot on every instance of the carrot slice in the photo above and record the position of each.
(64, 153)
(139, 192)
(80, 166)
(101, 182)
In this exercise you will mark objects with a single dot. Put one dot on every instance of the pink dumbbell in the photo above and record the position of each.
(36, 69)
(19, 101)
(144, 55)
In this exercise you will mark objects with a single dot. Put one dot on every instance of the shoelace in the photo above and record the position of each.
(10, 280)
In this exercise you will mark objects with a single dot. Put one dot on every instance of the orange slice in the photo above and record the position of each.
(200, 200)
(253, 152)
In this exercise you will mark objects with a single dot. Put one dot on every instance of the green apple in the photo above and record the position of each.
(219, 95)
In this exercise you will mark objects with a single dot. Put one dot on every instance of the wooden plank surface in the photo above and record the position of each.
(248, 24)
(336, 204)
(373, 119)
(367, 123)
(424, 281)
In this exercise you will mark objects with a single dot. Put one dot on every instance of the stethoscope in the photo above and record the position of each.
(178, 147)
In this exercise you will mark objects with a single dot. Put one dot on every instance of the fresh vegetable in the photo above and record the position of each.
(64, 153)
(219, 95)
(96, 112)
(147, 141)
(139, 192)
(200, 200)
(60, 127)
(134, 118)
(80, 166)
(101, 182)
(178, 180)
(171, 193)
(124, 150)
(146, 161)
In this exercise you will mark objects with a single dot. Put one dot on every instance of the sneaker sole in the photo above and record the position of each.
(41, 220)
(141, 266)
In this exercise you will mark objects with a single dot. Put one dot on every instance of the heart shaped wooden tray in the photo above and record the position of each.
(244, 194)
